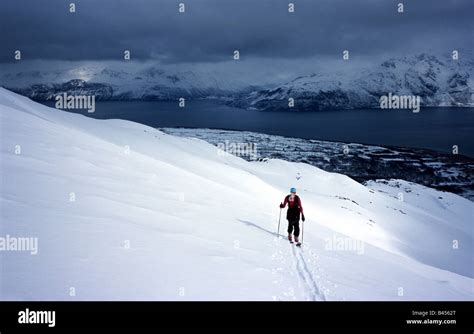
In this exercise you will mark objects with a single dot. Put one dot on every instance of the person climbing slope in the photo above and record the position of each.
(293, 215)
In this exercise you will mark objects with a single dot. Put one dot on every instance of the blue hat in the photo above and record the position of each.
(292, 190)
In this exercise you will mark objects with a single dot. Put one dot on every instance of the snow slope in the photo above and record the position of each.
(157, 217)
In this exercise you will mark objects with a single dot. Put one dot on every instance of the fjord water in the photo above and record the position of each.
(432, 128)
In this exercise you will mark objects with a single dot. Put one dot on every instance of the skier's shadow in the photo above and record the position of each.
(258, 227)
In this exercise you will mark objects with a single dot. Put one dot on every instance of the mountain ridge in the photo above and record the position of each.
(439, 81)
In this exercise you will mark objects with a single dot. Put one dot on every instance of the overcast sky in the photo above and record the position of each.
(210, 30)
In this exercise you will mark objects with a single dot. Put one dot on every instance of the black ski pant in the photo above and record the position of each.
(294, 225)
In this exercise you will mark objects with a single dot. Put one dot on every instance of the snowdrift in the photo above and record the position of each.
(122, 211)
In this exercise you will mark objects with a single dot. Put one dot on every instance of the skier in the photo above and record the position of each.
(293, 215)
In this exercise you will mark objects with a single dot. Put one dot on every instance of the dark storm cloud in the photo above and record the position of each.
(211, 29)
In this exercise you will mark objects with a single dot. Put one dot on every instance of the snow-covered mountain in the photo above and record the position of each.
(438, 82)
(122, 211)
(119, 81)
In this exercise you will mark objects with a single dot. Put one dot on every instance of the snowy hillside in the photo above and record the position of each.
(125, 212)
(438, 82)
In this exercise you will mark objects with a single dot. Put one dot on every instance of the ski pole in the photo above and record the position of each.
(302, 231)
(279, 218)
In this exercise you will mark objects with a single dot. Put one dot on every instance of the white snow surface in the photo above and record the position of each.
(157, 217)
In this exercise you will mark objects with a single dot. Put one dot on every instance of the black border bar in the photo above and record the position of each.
(214, 315)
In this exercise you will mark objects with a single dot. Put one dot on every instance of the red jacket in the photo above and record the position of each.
(294, 208)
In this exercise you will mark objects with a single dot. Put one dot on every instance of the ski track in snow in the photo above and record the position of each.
(296, 268)
(305, 275)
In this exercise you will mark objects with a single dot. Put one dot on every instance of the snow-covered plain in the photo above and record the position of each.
(125, 212)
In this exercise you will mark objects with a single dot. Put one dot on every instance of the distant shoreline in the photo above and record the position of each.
(393, 147)
(362, 162)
